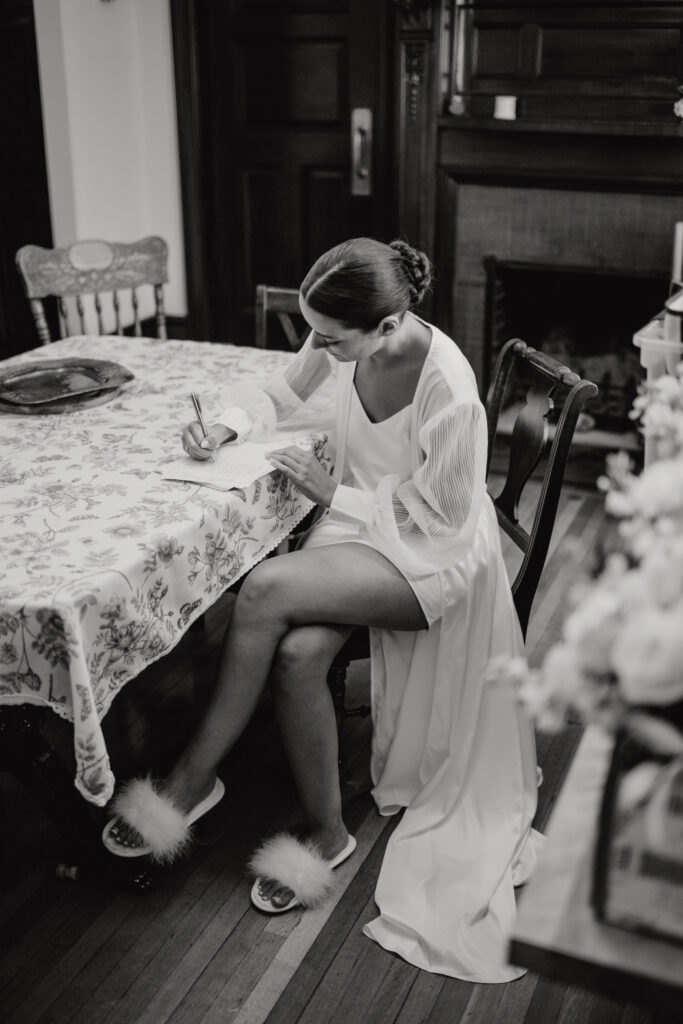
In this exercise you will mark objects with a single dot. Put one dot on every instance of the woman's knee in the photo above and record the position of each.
(263, 590)
(302, 659)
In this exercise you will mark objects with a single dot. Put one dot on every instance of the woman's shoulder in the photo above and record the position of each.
(448, 376)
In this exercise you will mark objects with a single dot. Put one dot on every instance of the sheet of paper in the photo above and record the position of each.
(233, 465)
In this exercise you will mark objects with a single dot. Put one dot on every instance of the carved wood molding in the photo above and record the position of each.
(413, 74)
(417, 43)
(412, 9)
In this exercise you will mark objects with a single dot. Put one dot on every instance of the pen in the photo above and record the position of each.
(198, 411)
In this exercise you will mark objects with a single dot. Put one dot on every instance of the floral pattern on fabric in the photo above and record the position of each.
(106, 564)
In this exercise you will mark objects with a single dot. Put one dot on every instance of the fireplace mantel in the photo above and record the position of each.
(603, 201)
(553, 155)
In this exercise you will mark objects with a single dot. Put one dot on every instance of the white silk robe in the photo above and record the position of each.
(456, 752)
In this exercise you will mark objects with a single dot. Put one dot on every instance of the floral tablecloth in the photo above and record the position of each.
(106, 564)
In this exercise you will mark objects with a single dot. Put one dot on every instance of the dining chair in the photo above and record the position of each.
(532, 438)
(95, 268)
(282, 304)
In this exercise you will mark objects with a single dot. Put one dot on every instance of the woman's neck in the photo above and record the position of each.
(409, 343)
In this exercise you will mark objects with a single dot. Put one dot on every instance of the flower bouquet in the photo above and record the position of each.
(619, 663)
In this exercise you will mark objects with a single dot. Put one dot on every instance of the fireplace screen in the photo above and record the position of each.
(583, 318)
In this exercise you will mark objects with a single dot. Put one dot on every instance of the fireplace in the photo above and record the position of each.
(584, 318)
(511, 252)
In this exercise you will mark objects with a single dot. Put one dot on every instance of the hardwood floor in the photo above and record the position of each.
(192, 950)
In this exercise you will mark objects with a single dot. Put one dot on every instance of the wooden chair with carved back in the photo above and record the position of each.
(532, 438)
(283, 305)
(546, 382)
(95, 268)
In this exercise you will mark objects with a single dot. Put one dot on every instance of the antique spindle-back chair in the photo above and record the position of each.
(95, 268)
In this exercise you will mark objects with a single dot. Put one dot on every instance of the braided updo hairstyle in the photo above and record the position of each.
(361, 281)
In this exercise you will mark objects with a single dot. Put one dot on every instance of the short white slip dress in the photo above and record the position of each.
(372, 451)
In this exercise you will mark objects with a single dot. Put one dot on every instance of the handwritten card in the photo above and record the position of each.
(234, 465)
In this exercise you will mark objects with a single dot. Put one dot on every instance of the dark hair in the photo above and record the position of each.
(362, 280)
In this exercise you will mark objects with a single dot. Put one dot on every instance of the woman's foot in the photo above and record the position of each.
(329, 844)
(185, 791)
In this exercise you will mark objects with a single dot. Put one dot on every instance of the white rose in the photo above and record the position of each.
(659, 489)
(659, 419)
(561, 669)
(662, 571)
(667, 388)
(637, 591)
(591, 628)
(647, 656)
(548, 692)
(639, 536)
(619, 504)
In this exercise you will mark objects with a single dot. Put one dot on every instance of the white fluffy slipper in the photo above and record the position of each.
(296, 865)
(166, 831)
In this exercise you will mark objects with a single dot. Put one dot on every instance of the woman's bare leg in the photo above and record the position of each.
(305, 714)
(343, 584)
(306, 719)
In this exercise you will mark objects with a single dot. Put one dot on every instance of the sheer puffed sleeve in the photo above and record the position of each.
(256, 411)
(428, 521)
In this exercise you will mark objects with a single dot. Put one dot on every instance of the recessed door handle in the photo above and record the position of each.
(361, 151)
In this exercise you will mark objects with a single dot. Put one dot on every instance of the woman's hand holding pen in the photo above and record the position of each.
(201, 441)
(304, 470)
(201, 446)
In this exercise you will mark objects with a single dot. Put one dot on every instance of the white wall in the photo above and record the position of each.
(106, 72)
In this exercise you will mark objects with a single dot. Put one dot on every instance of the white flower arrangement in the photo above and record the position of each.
(620, 659)
(659, 407)
(678, 105)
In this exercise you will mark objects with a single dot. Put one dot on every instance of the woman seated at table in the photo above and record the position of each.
(408, 545)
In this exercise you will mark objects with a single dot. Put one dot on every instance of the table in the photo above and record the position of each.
(556, 932)
(106, 563)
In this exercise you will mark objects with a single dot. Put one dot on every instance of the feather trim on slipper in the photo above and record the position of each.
(155, 817)
(296, 864)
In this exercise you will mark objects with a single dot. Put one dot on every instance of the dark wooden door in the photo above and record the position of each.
(280, 82)
(24, 203)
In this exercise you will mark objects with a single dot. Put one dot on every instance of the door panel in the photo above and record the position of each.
(291, 82)
(24, 202)
(326, 208)
(281, 82)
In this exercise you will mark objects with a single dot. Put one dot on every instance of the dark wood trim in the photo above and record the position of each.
(191, 147)
(620, 985)
(614, 163)
(445, 245)
(415, 99)
(25, 203)
(641, 129)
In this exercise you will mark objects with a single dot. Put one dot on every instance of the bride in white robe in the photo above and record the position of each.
(456, 752)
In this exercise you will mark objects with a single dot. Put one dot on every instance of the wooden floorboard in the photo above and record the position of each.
(420, 999)
(193, 950)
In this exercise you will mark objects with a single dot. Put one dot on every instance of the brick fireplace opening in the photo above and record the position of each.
(584, 318)
(573, 271)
